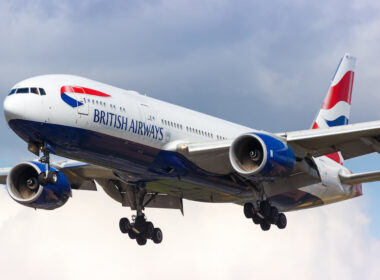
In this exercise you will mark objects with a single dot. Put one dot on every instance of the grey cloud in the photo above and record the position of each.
(82, 239)
(265, 65)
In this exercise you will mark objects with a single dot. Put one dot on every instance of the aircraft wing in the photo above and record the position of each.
(3, 175)
(81, 175)
(351, 140)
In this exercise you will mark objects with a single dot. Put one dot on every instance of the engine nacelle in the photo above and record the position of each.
(23, 187)
(259, 154)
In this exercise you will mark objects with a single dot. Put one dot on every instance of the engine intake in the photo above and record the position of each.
(23, 187)
(261, 154)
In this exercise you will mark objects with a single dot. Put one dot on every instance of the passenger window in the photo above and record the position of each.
(12, 91)
(42, 91)
(34, 90)
(23, 90)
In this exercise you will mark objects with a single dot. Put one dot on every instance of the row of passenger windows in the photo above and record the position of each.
(172, 124)
(104, 104)
(192, 130)
(199, 132)
(38, 91)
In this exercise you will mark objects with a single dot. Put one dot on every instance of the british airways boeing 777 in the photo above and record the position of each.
(148, 153)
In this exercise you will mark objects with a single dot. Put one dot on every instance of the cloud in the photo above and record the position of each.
(82, 239)
(264, 65)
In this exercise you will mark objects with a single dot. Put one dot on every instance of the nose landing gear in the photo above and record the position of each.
(265, 215)
(48, 177)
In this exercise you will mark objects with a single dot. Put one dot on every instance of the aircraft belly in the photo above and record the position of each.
(163, 170)
(190, 191)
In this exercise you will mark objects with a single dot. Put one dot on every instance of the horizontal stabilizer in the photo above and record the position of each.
(365, 177)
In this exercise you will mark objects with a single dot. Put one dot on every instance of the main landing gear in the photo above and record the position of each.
(141, 230)
(139, 227)
(265, 215)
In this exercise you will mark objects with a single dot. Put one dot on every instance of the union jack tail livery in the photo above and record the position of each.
(335, 109)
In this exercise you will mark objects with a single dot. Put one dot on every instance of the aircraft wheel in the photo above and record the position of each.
(124, 225)
(52, 178)
(265, 208)
(248, 210)
(157, 236)
(132, 234)
(265, 225)
(149, 229)
(273, 216)
(42, 180)
(256, 219)
(282, 221)
(141, 240)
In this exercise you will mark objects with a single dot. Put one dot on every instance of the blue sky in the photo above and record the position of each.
(266, 65)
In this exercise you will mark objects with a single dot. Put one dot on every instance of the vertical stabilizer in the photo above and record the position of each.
(336, 107)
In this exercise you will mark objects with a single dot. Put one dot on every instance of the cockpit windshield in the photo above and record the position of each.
(37, 91)
(22, 90)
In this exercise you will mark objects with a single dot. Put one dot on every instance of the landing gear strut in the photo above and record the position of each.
(48, 177)
(265, 215)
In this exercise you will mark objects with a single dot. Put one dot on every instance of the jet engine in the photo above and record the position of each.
(24, 187)
(263, 155)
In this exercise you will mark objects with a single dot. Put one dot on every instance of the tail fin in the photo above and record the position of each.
(335, 109)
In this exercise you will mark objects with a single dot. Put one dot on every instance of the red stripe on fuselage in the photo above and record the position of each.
(342, 91)
(83, 90)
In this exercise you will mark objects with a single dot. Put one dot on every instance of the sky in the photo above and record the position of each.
(263, 64)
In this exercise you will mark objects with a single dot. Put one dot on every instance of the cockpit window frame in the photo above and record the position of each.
(13, 91)
(23, 91)
(42, 91)
(34, 90)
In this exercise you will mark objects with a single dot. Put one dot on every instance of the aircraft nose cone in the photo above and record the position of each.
(13, 108)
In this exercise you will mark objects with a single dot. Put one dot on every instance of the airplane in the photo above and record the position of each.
(148, 153)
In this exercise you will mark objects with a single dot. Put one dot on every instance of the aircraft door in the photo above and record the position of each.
(151, 129)
(83, 106)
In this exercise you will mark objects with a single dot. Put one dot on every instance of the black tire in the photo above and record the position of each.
(265, 208)
(52, 178)
(149, 228)
(141, 240)
(256, 219)
(140, 223)
(141, 227)
(124, 225)
(265, 225)
(248, 210)
(157, 236)
(132, 234)
(273, 217)
(42, 179)
(282, 221)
